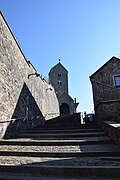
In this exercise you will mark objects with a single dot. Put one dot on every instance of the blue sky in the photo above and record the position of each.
(84, 34)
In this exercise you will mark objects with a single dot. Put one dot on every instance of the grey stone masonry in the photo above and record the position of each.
(62, 154)
(25, 97)
(58, 77)
(106, 93)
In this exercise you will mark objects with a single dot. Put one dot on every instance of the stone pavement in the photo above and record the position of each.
(74, 153)
(12, 176)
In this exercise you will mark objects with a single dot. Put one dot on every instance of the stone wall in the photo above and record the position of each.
(24, 96)
(73, 120)
(112, 129)
(108, 110)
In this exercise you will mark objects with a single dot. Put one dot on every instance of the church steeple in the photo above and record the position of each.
(58, 77)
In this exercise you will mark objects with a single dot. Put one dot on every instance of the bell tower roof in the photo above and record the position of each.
(58, 65)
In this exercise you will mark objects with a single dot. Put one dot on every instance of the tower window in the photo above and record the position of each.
(59, 82)
(59, 74)
(117, 80)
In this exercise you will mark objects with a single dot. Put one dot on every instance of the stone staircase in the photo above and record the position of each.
(60, 152)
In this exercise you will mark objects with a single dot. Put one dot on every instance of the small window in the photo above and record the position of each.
(59, 74)
(117, 80)
(59, 83)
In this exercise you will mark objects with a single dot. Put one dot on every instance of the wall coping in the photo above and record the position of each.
(108, 101)
(17, 42)
(113, 124)
(112, 129)
(19, 47)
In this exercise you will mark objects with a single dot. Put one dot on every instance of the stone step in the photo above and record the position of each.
(27, 176)
(64, 130)
(64, 171)
(63, 148)
(62, 135)
(75, 153)
(67, 126)
(84, 154)
(54, 142)
(66, 161)
(77, 139)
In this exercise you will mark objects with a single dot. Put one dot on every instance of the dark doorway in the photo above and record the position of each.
(64, 109)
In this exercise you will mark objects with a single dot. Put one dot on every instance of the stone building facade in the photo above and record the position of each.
(106, 90)
(58, 78)
(26, 99)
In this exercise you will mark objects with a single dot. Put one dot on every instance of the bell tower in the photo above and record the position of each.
(58, 77)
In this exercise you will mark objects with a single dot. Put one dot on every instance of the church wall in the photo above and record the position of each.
(24, 100)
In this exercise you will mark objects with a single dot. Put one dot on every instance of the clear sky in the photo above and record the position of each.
(84, 34)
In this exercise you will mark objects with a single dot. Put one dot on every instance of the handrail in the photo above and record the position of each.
(114, 87)
(24, 118)
(50, 114)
